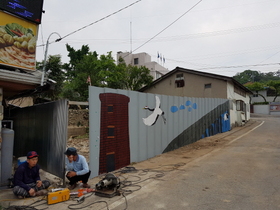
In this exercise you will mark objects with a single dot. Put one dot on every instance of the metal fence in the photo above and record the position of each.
(42, 128)
(154, 124)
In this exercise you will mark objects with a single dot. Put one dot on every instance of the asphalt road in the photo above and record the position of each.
(244, 174)
(229, 171)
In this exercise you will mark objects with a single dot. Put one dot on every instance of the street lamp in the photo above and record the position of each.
(45, 58)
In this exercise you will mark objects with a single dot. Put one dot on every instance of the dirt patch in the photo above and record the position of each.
(78, 123)
(78, 117)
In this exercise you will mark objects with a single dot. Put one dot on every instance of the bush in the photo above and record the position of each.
(260, 103)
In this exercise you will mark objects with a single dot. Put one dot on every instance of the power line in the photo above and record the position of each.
(167, 26)
(270, 56)
(195, 35)
(101, 19)
(227, 67)
(57, 40)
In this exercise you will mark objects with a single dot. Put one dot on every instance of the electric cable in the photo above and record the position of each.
(192, 36)
(226, 67)
(59, 39)
(166, 27)
(270, 57)
(128, 186)
(27, 207)
(70, 206)
(126, 204)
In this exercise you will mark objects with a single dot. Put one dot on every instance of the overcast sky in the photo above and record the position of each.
(217, 36)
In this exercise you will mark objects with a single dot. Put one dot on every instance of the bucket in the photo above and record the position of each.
(21, 160)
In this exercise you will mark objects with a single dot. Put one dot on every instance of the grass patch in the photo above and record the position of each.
(85, 136)
(260, 103)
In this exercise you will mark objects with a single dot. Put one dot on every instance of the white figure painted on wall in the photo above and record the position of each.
(152, 118)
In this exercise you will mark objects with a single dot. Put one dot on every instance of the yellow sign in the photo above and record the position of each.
(17, 42)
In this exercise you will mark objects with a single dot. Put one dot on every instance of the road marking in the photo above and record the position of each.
(149, 186)
(215, 150)
(245, 133)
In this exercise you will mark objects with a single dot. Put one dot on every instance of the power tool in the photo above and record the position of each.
(108, 186)
(58, 195)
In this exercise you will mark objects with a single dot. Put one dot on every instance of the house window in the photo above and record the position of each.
(207, 85)
(240, 106)
(179, 76)
(111, 132)
(255, 95)
(179, 81)
(158, 75)
(136, 61)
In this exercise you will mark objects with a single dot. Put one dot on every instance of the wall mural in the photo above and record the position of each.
(129, 126)
(152, 118)
(189, 105)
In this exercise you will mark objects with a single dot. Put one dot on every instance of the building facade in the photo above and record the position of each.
(190, 83)
(143, 59)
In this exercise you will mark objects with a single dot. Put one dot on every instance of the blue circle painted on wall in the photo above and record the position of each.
(182, 107)
(173, 109)
(189, 109)
(194, 106)
(188, 103)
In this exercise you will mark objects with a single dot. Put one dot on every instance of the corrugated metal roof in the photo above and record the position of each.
(18, 83)
(33, 78)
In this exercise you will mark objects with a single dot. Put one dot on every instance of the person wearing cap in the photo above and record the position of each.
(77, 168)
(27, 182)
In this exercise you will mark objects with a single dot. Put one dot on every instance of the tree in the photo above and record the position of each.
(257, 86)
(102, 71)
(254, 76)
(276, 86)
(137, 77)
(75, 57)
(55, 72)
(247, 76)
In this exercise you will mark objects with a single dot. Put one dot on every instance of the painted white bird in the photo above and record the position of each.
(152, 118)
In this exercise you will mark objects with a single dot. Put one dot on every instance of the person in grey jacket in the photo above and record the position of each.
(76, 168)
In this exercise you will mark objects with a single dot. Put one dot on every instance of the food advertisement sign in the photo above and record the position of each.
(17, 42)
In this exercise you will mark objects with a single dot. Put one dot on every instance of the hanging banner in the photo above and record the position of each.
(17, 42)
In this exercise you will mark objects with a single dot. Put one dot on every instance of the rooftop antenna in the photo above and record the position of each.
(130, 37)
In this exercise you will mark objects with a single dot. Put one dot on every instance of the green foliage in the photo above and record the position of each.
(75, 57)
(137, 77)
(257, 81)
(102, 71)
(256, 76)
(247, 76)
(55, 72)
(276, 86)
(257, 86)
(260, 103)
(71, 78)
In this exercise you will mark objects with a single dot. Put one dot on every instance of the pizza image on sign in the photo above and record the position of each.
(17, 45)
